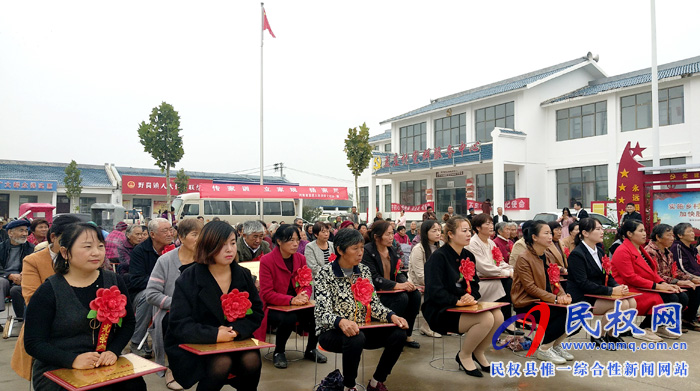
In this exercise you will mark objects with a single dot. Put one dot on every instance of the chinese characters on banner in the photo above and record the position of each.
(219, 190)
(517, 204)
(27, 185)
(473, 204)
(156, 185)
(411, 208)
(679, 206)
(417, 157)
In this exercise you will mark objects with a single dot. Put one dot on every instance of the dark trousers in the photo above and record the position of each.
(390, 338)
(681, 298)
(691, 313)
(405, 304)
(286, 323)
(8, 288)
(506, 311)
(557, 322)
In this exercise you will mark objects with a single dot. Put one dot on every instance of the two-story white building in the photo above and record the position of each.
(549, 137)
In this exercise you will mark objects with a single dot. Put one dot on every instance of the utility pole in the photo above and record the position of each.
(280, 166)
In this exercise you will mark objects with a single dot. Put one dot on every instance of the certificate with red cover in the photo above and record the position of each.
(290, 308)
(391, 291)
(614, 297)
(375, 324)
(478, 307)
(224, 347)
(127, 367)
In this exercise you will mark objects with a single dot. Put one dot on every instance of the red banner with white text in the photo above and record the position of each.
(411, 208)
(153, 185)
(517, 204)
(219, 190)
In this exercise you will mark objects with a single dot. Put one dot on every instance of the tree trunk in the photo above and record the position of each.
(167, 188)
(357, 198)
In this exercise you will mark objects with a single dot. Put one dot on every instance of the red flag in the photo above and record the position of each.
(266, 24)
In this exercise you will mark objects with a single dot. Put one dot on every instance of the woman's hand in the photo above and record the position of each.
(407, 286)
(564, 299)
(225, 334)
(696, 281)
(686, 284)
(466, 300)
(620, 290)
(399, 321)
(301, 299)
(106, 358)
(349, 328)
(86, 360)
(668, 287)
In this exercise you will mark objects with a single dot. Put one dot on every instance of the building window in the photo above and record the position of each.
(636, 109)
(582, 121)
(364, 199)
(412, 138)
(584, 184)
(24, 199)
(484, 187)
(451, 130)
(85, 203)
(412, 193)
(376, 147)
(502, 116)
(509, 185)
(387, 147)
(387, 198)
(666, 162)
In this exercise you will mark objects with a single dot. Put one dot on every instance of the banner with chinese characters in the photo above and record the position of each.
(678, 206)
(156, 185)
(425, 155)
(473, 204)
(27, 185)
(411, 208)
(218, 190)
(517, 204)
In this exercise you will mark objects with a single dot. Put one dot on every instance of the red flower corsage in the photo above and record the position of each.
(467, 271)
(167, 248)
(553, 273)
(303, 278)
(331, 258)
(108, 308)
(497, 256)
(607, 268)
(236, 305)
(362, 291)
(399, 264)
(567, 252)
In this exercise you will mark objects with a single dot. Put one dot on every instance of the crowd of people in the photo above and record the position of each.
(173, 283)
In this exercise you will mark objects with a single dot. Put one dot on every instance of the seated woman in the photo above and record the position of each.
(556, 250)
(661, 239)
(487, 265)
(531, 285)
(382, 261)
(161, 285)
(632, 265)
(39, 231)
(445, 288)
(430, 234)
(586, 276)
(58, 333)
(197, 316)
(278, 272)
(684, 252)
(338, 314)
(318, 252)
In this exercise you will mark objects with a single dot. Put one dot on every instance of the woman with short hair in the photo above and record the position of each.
(318, 252)
(683, 250)
(40, 231)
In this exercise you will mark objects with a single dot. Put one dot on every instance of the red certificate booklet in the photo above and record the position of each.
(224, 347)
(478, 307)
(127, 367)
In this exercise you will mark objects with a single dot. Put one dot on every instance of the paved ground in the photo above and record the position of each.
(413, 371)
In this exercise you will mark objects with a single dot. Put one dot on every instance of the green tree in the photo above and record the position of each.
(73, 183)
(311, 214)
(161, 138)
(358, 151)
(181, 181)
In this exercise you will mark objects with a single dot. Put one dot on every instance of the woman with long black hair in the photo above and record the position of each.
(430, 234)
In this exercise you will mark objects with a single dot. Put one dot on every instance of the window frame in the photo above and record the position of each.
(484, 116)
(418, 141)
(566, 115)
(664, 105)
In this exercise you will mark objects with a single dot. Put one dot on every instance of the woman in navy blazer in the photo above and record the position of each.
(586, 276)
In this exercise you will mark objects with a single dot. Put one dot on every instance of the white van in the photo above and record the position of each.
(233, 210)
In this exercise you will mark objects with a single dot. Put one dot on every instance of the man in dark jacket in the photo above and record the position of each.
(12, 252)
(143, 259)
(631, 214)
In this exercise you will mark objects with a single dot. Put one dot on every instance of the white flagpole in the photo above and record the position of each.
(654, 91)
(262, 26)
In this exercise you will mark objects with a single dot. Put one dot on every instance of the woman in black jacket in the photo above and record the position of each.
(196, 316)
(446, 288)
(382, 261)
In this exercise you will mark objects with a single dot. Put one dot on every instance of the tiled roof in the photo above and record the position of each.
(486, 153)
(490, 89)
(643, 76)
(217, 177)
(382, 136)
(93, 176)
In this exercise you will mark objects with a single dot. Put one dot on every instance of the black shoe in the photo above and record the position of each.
(612, 339)
(279, 360)
(516, 332)
(315, 355)
(474, 372)
(485, 368)
(412, 344)
(598, 341)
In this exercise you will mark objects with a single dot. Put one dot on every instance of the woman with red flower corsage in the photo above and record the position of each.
(384, 264)
(76, 309)
(344, 297)
(285, 279)
(589, 273)
(533, 282)
(214, 301)
(451, 280)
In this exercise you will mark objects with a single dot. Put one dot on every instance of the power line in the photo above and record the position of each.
(319, 175)
(251, 169)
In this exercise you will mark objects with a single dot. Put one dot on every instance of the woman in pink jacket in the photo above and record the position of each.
(278, 287)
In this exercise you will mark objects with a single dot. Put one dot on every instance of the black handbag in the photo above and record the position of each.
(332, 382)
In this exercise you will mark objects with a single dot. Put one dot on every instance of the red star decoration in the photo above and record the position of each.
(637, 150)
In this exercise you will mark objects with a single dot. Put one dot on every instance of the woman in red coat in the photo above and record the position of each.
(278, 286)
(634, 267)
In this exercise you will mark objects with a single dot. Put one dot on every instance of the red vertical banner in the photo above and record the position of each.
(630, 182)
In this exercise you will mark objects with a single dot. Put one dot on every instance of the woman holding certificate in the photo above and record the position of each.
(451, 281)
(214, 301)
(80, 317)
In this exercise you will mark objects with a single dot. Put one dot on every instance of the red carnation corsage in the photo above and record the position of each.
(567, 252)
(607, 268)
(108, 308)
(362, 291)
(236, 305)
(467, 271)
(168, 248)
(331, 258)
(399, 265)
(553, 273)
(497, 256)
(303, 278)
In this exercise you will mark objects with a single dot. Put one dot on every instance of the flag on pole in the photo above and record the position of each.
(266, 24)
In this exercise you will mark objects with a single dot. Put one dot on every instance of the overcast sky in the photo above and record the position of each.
(77, 77)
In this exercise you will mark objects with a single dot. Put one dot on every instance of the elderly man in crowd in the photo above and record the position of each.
(143, 259)
(134, 237)
(12, 252)
(251, 246)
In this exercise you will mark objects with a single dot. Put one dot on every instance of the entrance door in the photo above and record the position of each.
(5, 206)
(62, 204)
(455, 197)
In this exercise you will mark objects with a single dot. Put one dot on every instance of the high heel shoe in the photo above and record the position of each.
(474, 372)
(485, 368)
